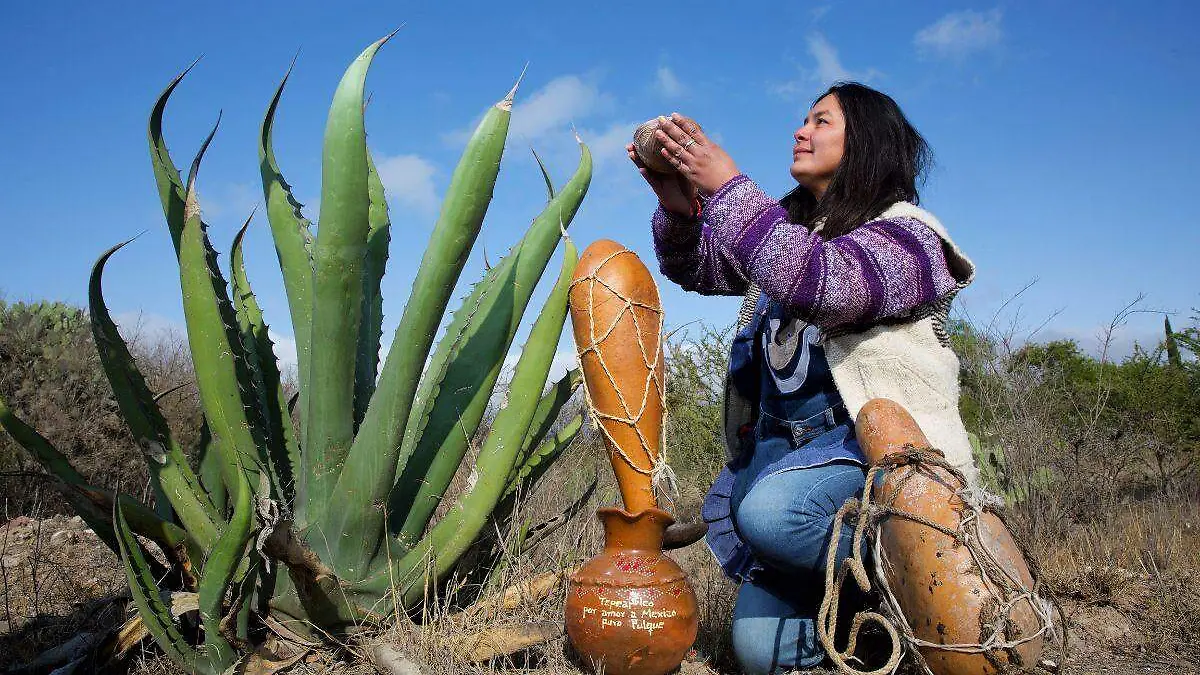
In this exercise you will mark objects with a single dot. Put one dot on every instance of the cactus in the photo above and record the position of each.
(382, 443)
(1174, 359)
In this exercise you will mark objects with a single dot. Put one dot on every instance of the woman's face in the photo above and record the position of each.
(819, 145)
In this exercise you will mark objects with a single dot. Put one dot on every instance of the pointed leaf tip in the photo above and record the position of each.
(191, 65)
(390, 35)
(507, 103)
(245, 226)
(191, 182)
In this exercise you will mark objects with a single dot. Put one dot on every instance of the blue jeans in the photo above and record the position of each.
(786, 519)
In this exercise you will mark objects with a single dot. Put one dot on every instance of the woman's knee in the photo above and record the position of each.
(786, 518)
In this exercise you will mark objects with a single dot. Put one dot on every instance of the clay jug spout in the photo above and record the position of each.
(641, 531)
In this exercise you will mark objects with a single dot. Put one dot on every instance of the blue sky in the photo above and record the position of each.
(1064, 133)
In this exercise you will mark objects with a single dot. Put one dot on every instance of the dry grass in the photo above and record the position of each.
(1131, 579)
(57, 580)
(1122, 556)
(1128, 583)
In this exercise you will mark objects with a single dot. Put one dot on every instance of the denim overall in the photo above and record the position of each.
(771, 508)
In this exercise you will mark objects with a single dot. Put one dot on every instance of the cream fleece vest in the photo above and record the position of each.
(907, 359)
(911, 362)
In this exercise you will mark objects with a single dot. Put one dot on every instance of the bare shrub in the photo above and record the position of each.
(51, 376)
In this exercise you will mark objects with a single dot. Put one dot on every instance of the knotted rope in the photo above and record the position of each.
(1007, 590)
(655, 464)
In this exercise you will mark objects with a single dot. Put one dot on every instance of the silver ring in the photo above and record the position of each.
(690, 143)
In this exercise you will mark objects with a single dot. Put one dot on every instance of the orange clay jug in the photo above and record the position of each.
(629, 610)
(954, 581)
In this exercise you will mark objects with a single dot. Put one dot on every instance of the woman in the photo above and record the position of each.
(847, 285)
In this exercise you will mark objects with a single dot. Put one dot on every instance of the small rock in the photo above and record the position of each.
(392, 661)
(62, 537)
(76, 521)
(18, 522)
(1047, 664)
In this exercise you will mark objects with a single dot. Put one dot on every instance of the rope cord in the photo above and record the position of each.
(1007, 590)
(656, 463)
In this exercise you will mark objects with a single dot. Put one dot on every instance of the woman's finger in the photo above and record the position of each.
(684, 131)
(672, 130)
(673, 149)
(689, 126)
(673, 157)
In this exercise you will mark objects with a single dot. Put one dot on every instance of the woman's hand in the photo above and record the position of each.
(703, 163)
(675, 193)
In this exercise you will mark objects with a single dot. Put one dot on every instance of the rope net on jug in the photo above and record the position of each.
(1007, 590)
(655, 464)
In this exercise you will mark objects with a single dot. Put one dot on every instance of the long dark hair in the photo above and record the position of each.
(883, 161)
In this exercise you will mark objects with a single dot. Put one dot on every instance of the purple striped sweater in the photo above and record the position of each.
(881, 269)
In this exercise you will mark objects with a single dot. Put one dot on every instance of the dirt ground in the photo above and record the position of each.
(59, 581)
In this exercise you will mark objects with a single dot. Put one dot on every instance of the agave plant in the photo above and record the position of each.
(329, 524)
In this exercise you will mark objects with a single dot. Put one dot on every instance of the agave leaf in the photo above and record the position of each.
(165, 460)
(219, 571)
(445, 422)
(338, 260)
(222, 375)
(464, 521)
(91, 503)
(292, 233)
(170, 187)
(156, 616)
(174, 541)
(538, 461)
(550, 405)
(370, 329)
(532, 467)
(526, 537)
(209, 460)
(545, 176)
(482, 311)
(282, 445)
(370, 468)
(57, 464)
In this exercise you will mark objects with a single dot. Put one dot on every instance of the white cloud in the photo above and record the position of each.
(826, 70)
(409, 179)
(829, 65)
(960, 34)
(609, 144)
(669, 84)
(549, 111)
(232, 201)
(563, 100)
